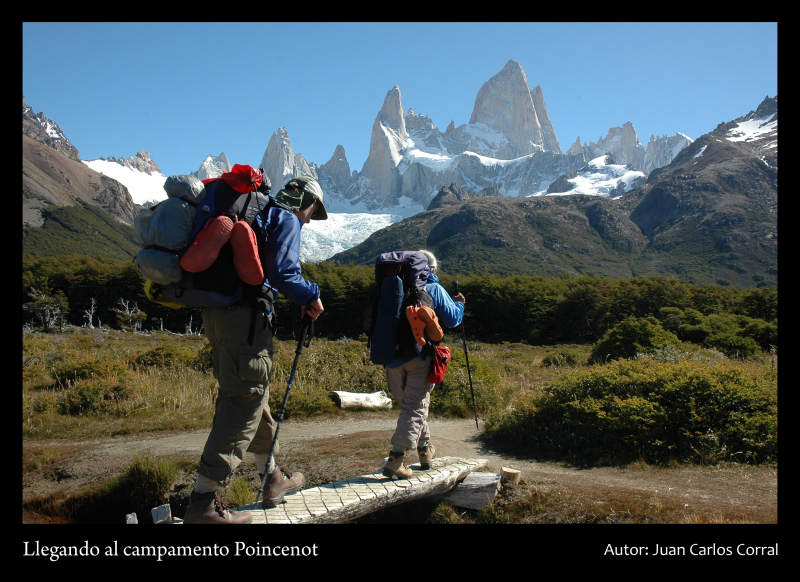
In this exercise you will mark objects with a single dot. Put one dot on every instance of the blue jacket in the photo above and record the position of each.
(281, 256)
(448, 312)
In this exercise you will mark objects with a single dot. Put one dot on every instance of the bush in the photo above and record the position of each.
(149, 480)
(647, 410)
(168, 355)
(453, 396)
(205, 359)
(72, 371)
(561, 358)
(89, 396)
(672, 355)
(630, 337)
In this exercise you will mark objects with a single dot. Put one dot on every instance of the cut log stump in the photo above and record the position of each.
(510, 477)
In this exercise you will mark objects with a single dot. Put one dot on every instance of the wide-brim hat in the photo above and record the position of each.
(302, 192)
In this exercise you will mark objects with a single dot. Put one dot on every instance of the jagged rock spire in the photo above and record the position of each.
(504, 103)
(387, 145)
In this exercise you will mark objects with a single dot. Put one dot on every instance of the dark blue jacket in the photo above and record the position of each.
(281, 256)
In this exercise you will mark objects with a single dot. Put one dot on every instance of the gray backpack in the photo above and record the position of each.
(164, 230)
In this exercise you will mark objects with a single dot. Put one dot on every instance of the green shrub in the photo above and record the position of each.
(632, 336)
(561, 358)
(149, 480)
(643, 409)
(453, 396)
(71, 371)
(205, 359)
(672, 355)
(168, 355)
(89, 396)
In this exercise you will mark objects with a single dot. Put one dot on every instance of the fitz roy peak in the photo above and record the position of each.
(509, 144)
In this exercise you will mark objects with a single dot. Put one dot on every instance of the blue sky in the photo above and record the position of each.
(183, 91)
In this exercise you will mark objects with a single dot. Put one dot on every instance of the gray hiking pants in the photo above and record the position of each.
(411, 389)
(242, 419)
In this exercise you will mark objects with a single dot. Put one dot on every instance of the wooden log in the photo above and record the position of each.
(131, 518)
(510, 477)
(476, 491)
(352, 498)
(360, 400)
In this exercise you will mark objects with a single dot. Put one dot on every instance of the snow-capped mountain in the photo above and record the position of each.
(139, 174)
(758, 130)
(602, 176)
(509, 144)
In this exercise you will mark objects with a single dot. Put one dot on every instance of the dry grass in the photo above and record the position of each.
(176, 399)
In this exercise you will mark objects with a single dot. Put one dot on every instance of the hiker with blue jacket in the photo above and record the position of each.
(407, 378)
(242, 350)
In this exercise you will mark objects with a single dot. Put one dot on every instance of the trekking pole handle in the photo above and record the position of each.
(305, 336)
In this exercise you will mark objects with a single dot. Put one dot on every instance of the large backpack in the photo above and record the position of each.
(235, 194)
(400, 278)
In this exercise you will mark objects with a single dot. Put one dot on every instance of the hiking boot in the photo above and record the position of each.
(426, 455)
(245, 254)
(205, 248)
(279, 483)
(210, 508)
(395, 468)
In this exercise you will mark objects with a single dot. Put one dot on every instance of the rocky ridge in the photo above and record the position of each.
(141, 162)
(46, 131)
(213, 167)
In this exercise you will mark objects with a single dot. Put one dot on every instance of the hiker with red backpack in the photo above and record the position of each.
(409, 377)
(264, 251)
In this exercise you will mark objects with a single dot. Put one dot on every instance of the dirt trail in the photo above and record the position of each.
(752, 490)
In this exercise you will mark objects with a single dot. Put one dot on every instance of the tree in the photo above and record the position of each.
(130, 316)
(48, 309)
(88, 314)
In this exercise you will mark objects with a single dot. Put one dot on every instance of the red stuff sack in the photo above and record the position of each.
(241, 178)
(441, 357)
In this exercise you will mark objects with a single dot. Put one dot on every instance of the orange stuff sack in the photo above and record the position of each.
(423, 319)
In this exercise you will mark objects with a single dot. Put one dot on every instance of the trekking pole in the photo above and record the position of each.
(302, 343)
(466, 355)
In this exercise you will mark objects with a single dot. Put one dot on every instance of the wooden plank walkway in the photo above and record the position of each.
(358, 496)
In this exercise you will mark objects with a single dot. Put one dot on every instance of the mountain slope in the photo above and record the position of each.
(712, 214)
(50, 178)
(551, 236)
(79, 229)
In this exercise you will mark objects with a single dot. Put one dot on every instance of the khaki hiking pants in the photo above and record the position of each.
(412, 391)
(242, 419)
